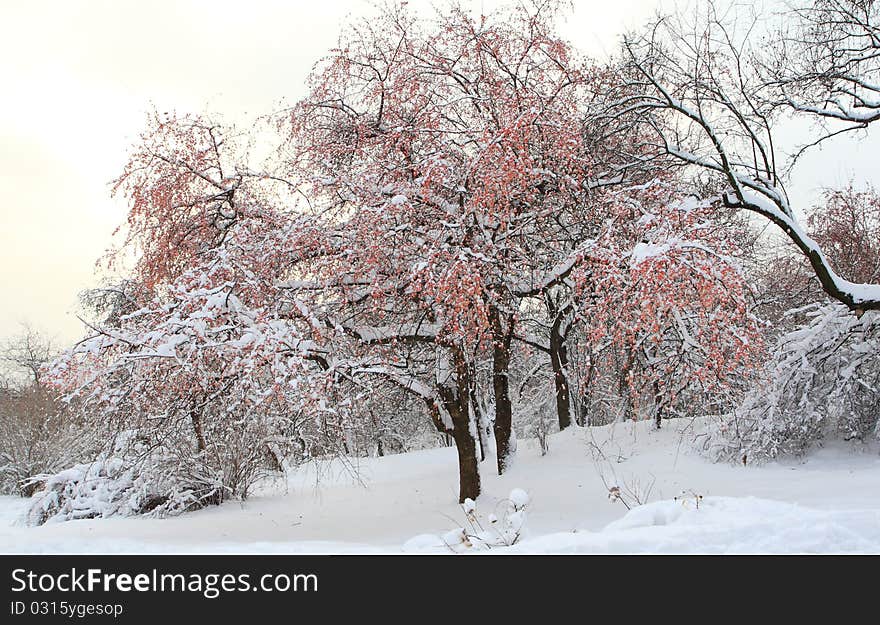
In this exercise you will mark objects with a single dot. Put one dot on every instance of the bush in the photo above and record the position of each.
(137, 477)
(482, 534)
(824, 382)
(36, 437)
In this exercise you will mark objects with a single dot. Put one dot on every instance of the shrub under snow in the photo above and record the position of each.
(85, 491)
(481, 533)
(824, 381)
(132, 477)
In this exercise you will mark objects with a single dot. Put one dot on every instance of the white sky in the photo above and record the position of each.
(78, 77)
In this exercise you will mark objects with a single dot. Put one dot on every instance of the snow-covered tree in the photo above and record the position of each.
(823, 378)
(713, 94)
(454, 176)
(444, 158)
(198, 370)
(823, 382)
(668, 316)
(448, 206)
(822, 63)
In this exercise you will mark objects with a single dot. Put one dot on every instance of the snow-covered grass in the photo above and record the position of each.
(826, 503)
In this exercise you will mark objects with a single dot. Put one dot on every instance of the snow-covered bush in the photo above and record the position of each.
(33, 440)
(824, 381)
(112, 486)
(491, 531)
(157, 457)
(534, 407)
(37, 435)
(209, 377)
(84, 491)
(138, 475)
(106, 486)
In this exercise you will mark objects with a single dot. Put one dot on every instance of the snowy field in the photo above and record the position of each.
(827, 503)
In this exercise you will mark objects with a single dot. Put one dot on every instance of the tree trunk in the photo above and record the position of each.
(559, 355)
(468, 469)
(456, 402)
(624, 388)
(201, 445)
(658, 404)
(585, 402)
(463, 432)
(559, 362)
(274, 457)
(501, 338)
(479, 417)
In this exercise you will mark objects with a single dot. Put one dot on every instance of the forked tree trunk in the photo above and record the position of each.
(559, 356)
(559, 363)
(456, 402)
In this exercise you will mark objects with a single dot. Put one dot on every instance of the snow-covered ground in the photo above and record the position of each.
(827, 503)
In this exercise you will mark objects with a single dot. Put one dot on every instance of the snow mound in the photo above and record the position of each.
(519, 498)
(745, 525)
(827, 502)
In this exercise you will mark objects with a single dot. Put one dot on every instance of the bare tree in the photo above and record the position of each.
(825, 63)
(712, 92)
(33, 428)
(27, 352)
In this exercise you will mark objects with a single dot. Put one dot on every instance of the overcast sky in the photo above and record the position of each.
(79, 76)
